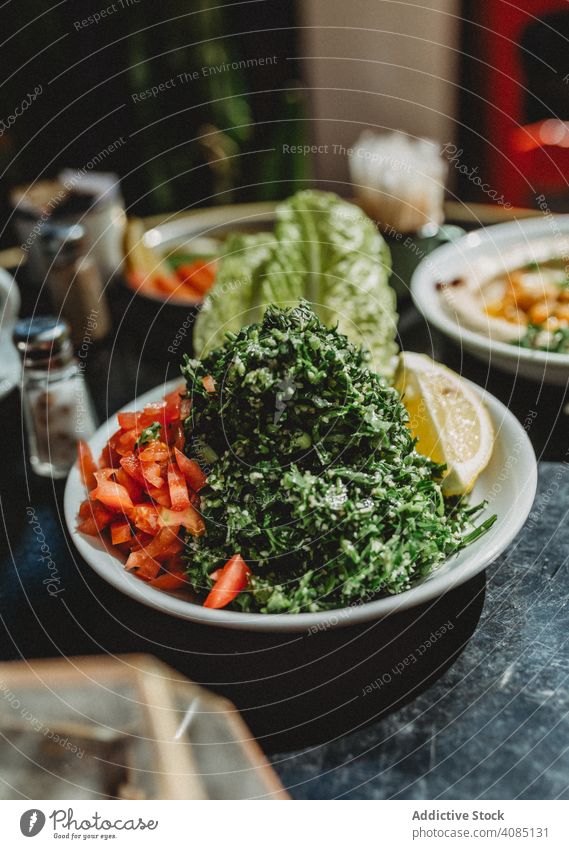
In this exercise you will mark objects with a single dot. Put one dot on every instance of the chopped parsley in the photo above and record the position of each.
(316, 480)
(149, 434)
(539, 338)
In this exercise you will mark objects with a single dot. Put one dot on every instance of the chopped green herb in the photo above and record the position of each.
(149, 434)
(539, 338)
(316, 480)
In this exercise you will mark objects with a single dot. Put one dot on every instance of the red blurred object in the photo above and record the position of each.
(525, 84)
(541, 152)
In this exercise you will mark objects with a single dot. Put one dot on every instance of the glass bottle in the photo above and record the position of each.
(57, 407)
(74, 282)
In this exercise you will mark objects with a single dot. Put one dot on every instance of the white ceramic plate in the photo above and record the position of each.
(508, 483)
(493, 249)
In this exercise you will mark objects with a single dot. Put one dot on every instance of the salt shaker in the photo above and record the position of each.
(56, 402)
(74, 282)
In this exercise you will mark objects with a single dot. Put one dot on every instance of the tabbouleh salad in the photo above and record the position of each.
(312, 472)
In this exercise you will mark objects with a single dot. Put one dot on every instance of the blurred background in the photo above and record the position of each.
(231, 85)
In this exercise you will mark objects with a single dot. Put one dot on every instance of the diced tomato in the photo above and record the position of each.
(87, 466)
(178, 488)
(160, 496)
(199, 274)
(145, 565)
(154, 412)
(97, 511)
(208, 383)
(165, 282)
(151, 474)
(233, 579)
(133, 488)
(120, 532)
(128, 421)
(165, 545)
(169, 581)
(189, 518)
(146, 518)
(112, 495)
(109, 456)
(132, 467)
(155, 451)
(95, 517)
(125, 443)
(88, 526)
(191, 471)
(140, 540)
(173, 401)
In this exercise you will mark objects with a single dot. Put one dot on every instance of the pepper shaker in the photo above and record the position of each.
(57, 407)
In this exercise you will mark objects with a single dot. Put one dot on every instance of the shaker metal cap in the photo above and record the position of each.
(42, 340)
(62, 241)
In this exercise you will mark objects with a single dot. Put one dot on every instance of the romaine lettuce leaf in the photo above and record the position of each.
(229, 304)
(324, 250)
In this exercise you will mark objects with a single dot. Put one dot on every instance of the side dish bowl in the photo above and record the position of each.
(487, 251)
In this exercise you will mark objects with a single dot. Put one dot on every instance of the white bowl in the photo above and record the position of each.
(509, 483)
(493, 248)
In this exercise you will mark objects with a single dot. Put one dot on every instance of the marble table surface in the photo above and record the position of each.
(495, 725)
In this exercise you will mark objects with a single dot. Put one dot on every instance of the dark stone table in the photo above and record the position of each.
(467, 697)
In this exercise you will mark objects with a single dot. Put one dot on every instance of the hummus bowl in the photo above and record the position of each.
(454, 287)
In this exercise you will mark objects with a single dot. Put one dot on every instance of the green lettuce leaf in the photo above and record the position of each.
(324, 250)
(230, 303)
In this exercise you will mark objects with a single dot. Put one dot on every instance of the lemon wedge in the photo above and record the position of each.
(449, 420)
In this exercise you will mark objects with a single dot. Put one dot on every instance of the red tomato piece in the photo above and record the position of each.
(160, 496)
(132, 467)
(155, 451)
(88, 526)
(145, 565)
(169, 581)
(178, 489)
(168, 284)
(125, 443)
(128, 421)
(112, 495)
(189, 518)
(120, 532)
(109, 455)
(87, 466)
(165, 545)
(208, 383)
(233, 579)
(154, 412)
(173, 401)
(133, 488)
(199, 274)
(191, 471)
(151, 474)
(146, 518)
(95, 517)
